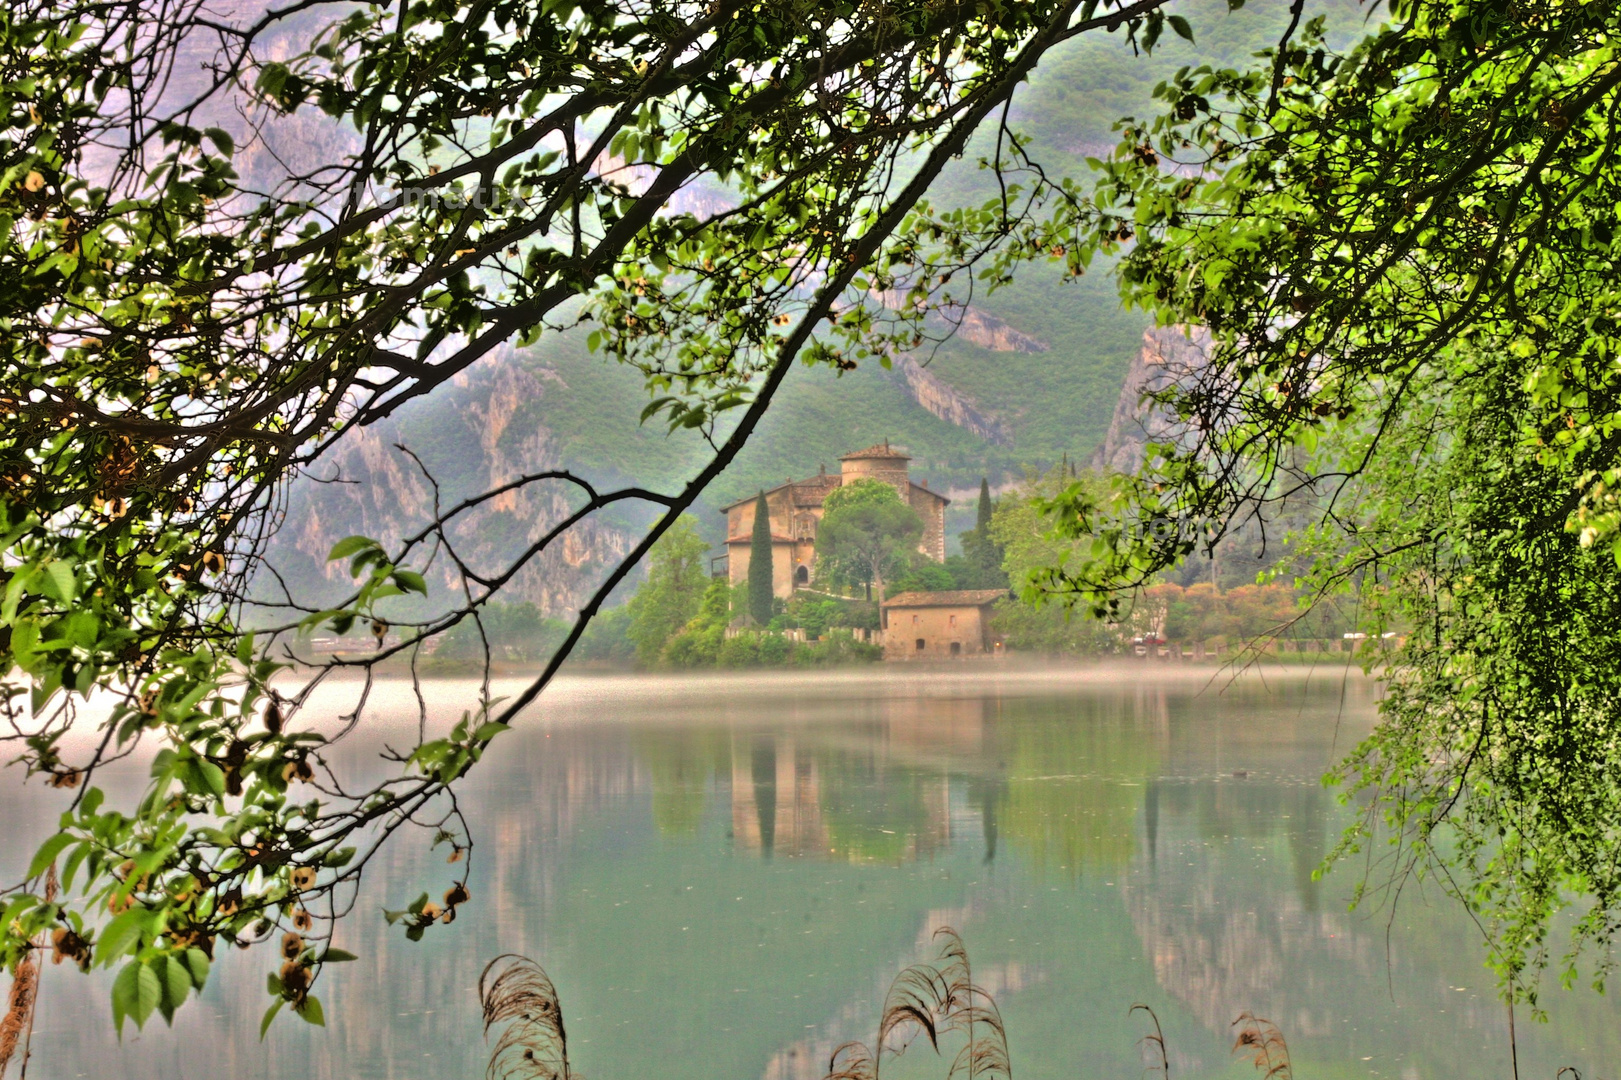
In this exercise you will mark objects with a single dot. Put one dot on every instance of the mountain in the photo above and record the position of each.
(1037, 371)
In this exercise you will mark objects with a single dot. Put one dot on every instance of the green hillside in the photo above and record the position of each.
(1051, 403)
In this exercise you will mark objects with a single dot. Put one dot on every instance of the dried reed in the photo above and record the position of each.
(935, 1000)
(18, 1024)
(533, 1045)
(24, 984)
(1262, 1042)
(1156, 1041)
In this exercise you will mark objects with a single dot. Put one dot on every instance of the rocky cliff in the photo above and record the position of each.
(939, 398)
(990, 332)
(1166, 354)
(479, 434)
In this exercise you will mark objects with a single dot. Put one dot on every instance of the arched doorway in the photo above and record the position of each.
(802, 575)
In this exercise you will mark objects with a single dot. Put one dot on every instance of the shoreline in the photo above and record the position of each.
(578, 695)
(574, 686)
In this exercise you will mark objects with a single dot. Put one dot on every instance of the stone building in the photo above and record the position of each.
(796, 508)
(939, 625)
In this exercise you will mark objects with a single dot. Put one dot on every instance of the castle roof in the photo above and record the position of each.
(877, 450)
(808, 492)
(956, 598)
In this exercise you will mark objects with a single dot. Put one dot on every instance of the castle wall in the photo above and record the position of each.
(782, 565)
(933, 513)
(891, 471)
(928, 633)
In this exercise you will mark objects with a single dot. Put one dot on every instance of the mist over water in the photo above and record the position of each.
(722, 875)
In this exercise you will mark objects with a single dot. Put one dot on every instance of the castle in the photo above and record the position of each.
(796, 507)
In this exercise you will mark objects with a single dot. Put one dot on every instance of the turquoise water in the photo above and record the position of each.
(722, 876)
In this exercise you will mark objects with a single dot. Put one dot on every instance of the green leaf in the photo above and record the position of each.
(136, 993)
(272, 79)
(197, 967)
(337, 956)
(48, 851)
(270, 1014)
(411, 581)
(119, 934)
(311, 1011)
(1180, 25)
(174, 982)
(61, 576)
(490, 730)
(221, 139)
(348, 546)
(211, 776)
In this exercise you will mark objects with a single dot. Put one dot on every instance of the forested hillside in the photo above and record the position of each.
(1037, 369)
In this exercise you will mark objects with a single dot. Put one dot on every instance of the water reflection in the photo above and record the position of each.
(1064, 794)
(723, 876)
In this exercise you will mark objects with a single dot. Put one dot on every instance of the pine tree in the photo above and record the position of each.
(760, 553)
(982, 524)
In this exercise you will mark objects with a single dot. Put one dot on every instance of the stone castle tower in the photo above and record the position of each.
(796, 508)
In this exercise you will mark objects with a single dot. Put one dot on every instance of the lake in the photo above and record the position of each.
(722, 875)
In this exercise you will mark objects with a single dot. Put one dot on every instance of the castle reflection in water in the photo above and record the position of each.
(904, 778)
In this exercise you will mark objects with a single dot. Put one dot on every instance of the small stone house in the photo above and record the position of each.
(796, 509)
(939, 625)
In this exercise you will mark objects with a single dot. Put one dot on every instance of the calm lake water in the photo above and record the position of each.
(722, 875)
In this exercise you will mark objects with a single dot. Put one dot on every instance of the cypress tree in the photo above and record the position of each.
(982, 524)
(984, 554)
(760, 563)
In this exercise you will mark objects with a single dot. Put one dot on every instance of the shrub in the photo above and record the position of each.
(740, 651)
(838, 647)
(696, 646)
(774, 649)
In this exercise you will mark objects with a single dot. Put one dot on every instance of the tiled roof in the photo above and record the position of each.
(776, 538)
(877, 450)
(807, 492)
(957, 598)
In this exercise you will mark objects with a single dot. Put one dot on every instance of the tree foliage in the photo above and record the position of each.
(191, 319)
(866, 533)
(677, 580)
(982, 555)
(514, 632)
(1023, 532)
(1403, 259)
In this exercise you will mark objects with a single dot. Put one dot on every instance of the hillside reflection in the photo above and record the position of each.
(722, 877)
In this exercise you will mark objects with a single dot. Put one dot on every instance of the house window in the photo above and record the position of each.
(956, 648)
(919, 644)
(953, 620)
(914, 620)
